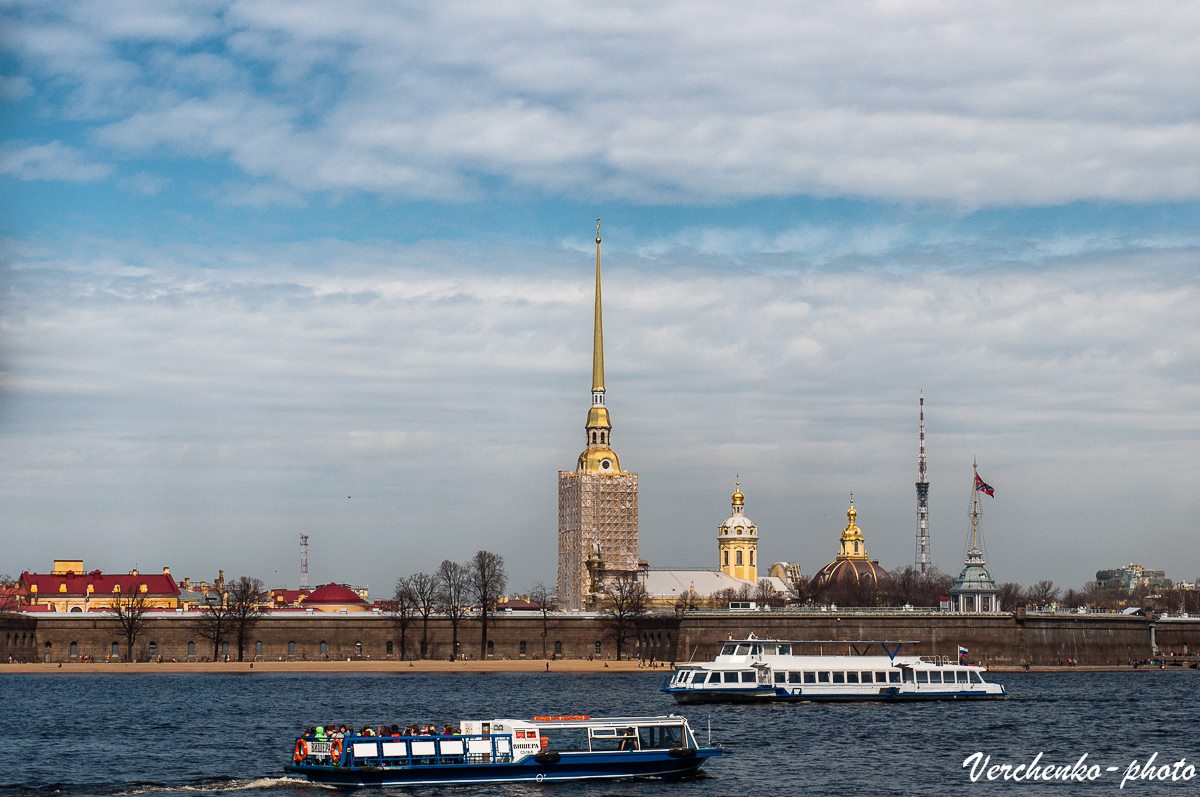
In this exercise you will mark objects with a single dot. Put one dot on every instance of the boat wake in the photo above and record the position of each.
(219, 785)
(205, 786)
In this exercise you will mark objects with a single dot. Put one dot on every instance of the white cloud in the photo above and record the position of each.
(238, 392)
(992, 105)
(50, 161)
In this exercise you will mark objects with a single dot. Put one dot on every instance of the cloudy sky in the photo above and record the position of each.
(271, 268)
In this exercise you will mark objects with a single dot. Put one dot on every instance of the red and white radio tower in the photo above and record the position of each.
(922, 501)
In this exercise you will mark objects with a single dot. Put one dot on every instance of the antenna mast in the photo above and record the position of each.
(922, 500)
(304, 561)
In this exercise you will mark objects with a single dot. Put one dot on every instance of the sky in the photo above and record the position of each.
(272, 268)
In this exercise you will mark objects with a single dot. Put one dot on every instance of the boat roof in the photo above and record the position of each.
(584, 720)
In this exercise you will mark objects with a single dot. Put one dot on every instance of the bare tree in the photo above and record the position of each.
(1042, 593)
(1012, 595)
(404, 606)
(765, 594)
(452, 579)
(129, 610)
(10, 596)
(245, 609)
(215, 621)
(623, 601)
(722, 598)
(487, 583)
(541, 596)
(424, 593)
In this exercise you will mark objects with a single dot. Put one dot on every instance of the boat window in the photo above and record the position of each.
(868, 677)
(742, 650)
(660, 737)
(756, 650)
(714, 678)
(894, 677)
(781, 677)
(810, 677)
(978, 677)
(881, 677)
(923, 677)
(794, 677)
(785, 649)
(566, 740)
(823, 677)
(748, 677)
(727, 650)
(614, 739)
(839, 677)
(851, 677)
(963, 677)
(730, 677)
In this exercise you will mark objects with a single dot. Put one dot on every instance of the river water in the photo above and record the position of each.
(117, 735)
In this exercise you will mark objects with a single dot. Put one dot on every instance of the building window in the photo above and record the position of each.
(739, 557)
(323, 647)
(78, 609)
(389, 648)
(153, 648)
(225, 648)
(727, 558)
(751, 557)
(191, 648)
(597, 647)
(258, 648)
(593, 437)
(558, 647)
(74, 649)
(358, 649)
(291, 648)
(523, 648)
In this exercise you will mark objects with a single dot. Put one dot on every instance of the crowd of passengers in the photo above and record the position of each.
(321, 733)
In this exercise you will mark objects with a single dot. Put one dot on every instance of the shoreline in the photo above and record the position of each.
(568, 666)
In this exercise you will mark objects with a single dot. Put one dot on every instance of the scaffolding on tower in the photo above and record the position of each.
(304, 561)
(922, 562)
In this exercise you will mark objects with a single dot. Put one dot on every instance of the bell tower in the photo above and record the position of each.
(737, 540)
(598, 501)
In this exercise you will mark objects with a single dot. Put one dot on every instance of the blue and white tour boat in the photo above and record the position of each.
(754, 670)
(551, 748)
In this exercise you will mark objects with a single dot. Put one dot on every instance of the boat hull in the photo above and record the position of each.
(570, 766)
(782, 696)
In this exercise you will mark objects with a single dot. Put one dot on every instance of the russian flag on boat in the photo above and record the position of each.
(962, 655)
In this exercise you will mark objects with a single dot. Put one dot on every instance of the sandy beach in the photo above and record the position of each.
(427, 666)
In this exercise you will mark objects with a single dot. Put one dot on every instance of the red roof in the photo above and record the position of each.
(50, 585)
(289, 597)
(331, 594)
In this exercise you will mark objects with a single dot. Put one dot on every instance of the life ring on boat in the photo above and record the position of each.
(301, 751)
(547, 757)
(335, 750)
(681, 752)
(544, 742)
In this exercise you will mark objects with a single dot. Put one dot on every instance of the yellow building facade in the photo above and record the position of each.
(737, 541)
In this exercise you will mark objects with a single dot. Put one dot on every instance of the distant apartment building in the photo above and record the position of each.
(1132, 578)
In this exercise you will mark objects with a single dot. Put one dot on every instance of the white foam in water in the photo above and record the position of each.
(232, 785)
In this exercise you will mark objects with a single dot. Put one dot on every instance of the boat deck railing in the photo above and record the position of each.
(411, 751)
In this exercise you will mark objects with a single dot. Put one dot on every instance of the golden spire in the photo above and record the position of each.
(852, 545)
(598, 331)
(738, 498)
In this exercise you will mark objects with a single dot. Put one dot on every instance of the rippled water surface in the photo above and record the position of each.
(81, 735)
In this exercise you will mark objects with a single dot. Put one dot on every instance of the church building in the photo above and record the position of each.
(598, 501)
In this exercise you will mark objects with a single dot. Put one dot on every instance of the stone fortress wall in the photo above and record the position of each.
(1000, 639)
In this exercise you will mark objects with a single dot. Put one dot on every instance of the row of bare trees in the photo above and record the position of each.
(455, 590)
(228, 614)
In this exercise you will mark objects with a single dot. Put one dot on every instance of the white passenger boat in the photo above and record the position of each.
(754, 670)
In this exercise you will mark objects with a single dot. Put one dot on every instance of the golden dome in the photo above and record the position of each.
(599, 459)
(738, 498)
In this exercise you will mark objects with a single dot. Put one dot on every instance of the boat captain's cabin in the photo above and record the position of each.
(755, 647)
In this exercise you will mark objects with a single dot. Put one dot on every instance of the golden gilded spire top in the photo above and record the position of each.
(598, 330)
(738, 498)
(852, 545)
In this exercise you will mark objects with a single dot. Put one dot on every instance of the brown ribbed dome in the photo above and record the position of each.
(852, 573)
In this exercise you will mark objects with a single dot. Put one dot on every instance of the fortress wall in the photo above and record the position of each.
(1179, 636)
(994, 639)
(18, 638)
